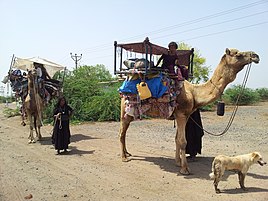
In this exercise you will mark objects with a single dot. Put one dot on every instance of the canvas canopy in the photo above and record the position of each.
(27, 64)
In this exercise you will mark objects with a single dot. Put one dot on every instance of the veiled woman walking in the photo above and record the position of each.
(61, 132)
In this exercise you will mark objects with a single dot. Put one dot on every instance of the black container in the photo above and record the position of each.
(220, 108)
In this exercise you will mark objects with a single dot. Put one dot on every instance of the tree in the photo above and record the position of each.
(200, 71)
(90, 99)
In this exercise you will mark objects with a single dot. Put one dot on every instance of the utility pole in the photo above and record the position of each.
(76, 58)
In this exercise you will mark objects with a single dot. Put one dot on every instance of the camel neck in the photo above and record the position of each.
(214, 87)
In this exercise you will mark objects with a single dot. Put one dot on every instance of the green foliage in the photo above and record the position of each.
(8, 112)
(200, 71)
(209, 107)
(103, 108)
(91, 100)
(48, 112)
(263, 93)
(249, 96)
(9, 99)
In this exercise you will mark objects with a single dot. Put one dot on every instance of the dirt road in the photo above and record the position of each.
(93, 169)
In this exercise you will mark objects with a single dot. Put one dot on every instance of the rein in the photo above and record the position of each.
(235, 108)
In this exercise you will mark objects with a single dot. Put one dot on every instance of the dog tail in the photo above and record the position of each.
(212, 174)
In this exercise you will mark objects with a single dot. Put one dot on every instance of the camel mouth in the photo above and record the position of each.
(255, 58)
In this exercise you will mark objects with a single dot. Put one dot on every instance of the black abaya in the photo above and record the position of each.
(194, 134)
(61, 133)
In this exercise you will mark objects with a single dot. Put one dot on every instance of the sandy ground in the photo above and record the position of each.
(93, 169)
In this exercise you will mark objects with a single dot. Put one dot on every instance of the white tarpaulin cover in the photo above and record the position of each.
(27, 64)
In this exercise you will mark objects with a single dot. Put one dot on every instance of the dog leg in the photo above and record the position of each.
(241, 178)
(216, 182)
(218, 173)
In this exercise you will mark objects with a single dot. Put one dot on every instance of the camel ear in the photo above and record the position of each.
(227, 51)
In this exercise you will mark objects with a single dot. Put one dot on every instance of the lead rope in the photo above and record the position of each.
(59, 118)
(235, 108)
(54, 123)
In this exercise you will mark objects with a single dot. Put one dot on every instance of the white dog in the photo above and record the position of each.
(239, 163)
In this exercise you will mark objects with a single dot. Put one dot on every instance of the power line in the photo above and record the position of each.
(193, 29)
(164, 29)
(202, 18)
(220, 32)
(94, 48)
(206, 35)
(210, 25)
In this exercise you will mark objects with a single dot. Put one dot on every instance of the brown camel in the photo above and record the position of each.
(34, 107)
(192, 97)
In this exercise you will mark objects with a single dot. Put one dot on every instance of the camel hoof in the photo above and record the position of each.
(23, 123)
(218, 191)
(244, 189)
(125, 159)
(184, 171)
(128, 154)
(31, 141)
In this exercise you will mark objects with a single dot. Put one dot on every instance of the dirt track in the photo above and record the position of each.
(93, 169)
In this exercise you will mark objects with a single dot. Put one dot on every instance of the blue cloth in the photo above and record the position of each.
(155, 85)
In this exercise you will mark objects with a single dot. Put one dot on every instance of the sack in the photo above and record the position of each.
(5, 80)
(144, 91)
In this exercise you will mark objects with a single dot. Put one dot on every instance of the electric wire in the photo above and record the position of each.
(108, 45)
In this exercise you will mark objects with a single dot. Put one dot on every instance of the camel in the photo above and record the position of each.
(34, 106)
(194, 96)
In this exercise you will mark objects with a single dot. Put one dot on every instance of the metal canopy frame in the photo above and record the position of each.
(149, 49)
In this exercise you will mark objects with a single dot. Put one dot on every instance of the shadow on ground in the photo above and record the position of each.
(74, 138)
(200, 168)
(80, 137)
(75, 151)
(241, 191)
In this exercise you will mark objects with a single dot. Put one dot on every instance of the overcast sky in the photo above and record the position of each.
(52, 29)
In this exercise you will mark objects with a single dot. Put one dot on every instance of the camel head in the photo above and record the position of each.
(31, 73)
(237, 60)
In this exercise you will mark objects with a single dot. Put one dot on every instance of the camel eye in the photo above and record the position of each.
(239, 55)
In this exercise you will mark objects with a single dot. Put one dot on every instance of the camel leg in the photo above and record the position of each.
(37, 128)
(23, 116)
(124, 124)
(180, 140)
(31, 138)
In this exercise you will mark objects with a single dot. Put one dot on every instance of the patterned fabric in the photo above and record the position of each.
(162, 107)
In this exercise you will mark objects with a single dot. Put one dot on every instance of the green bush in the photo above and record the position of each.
(248, 96)
(8, 112)
(209, 107)
(90, 100)
(9, 99)
(103, 108)
(263, 93)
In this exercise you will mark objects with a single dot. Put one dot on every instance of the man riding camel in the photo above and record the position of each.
(42, 75)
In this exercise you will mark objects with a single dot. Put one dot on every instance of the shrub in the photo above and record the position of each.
(105, 107)
(248, 96)
(263, 93)
(8, 112)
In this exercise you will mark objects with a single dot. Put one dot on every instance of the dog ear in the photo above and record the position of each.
(255, 155)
